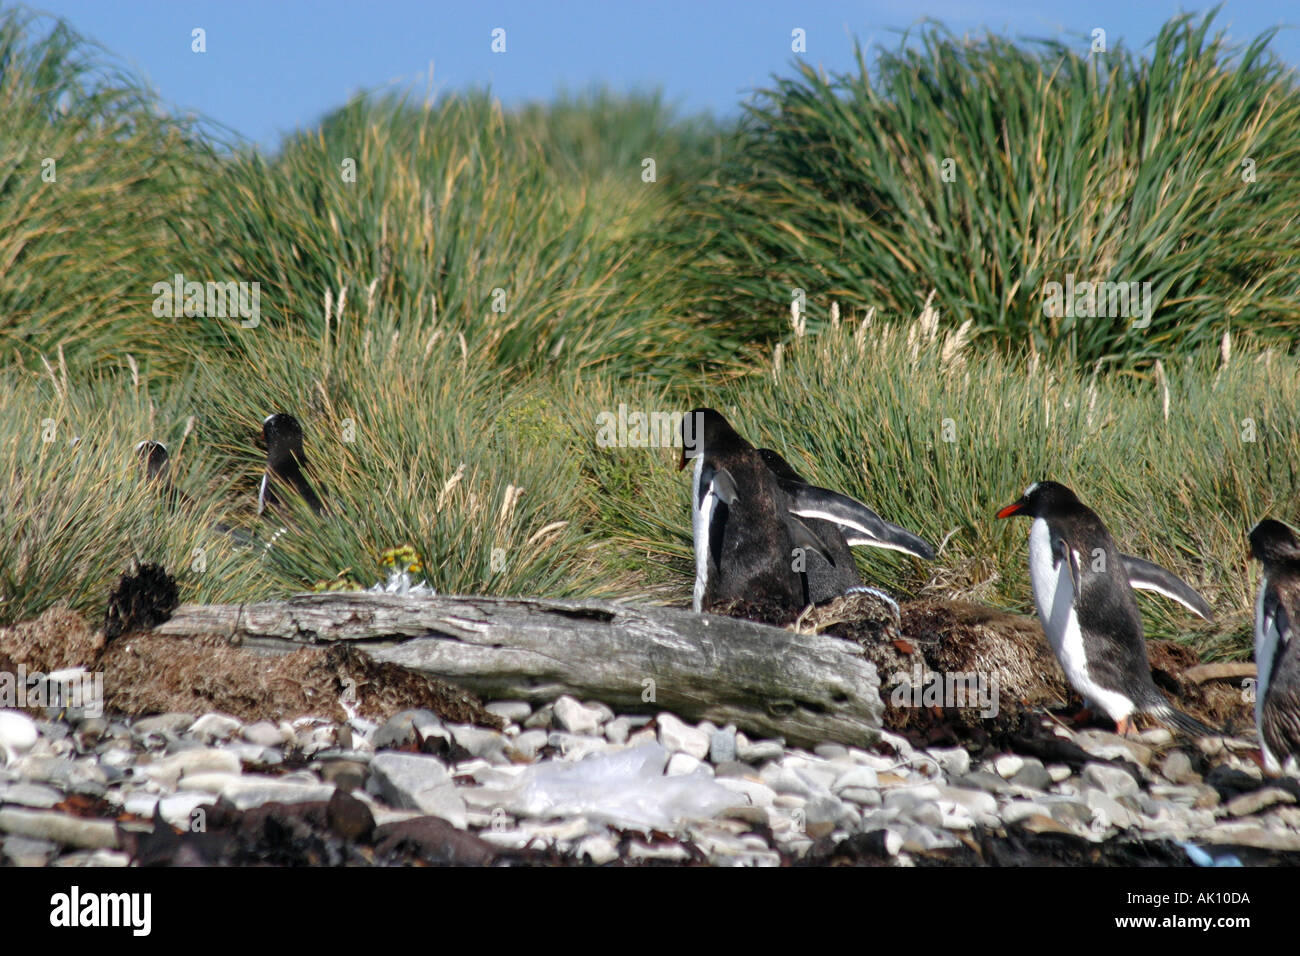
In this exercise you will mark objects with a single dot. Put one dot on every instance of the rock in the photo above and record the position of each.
(1058, 772)
(163, 723)
(576, 718)
(1041, 823)
(27, 851)
(90, 731)
(1008, 765)
(399, 730)
(349, 817)
(680, 763)
(1177, 768)
(488, 744)
(722, 745)
(760, 751)
(541, 718)
(574, 746)
(75, 776)
(168, 771)
(831, 751)
(1107, 811)
(1156, 737)
(253, 790)
(212, 727)
(860, 777)
(1108, 746)
(672, 852)
(1262, 799)
(617, 730)
(61, 828)
(529, 743)
(346, 775)
(861, 796)
(1112, 781)
(511, 711)
(178, 809)
(982, 780)
(418, 782)
(674, 735)
(1033, 775)
(18, 735)
(33, 795)
(264, 734)
(953, 761)
(598, 848)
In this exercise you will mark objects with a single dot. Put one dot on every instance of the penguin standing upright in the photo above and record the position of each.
(1277, 655)
(840, 522)
(1083, 588)
(286, 464)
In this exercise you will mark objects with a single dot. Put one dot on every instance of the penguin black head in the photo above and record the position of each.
(704, 428)
(1273, 542)
(153, 457)
(1040, 498)
(283, 437)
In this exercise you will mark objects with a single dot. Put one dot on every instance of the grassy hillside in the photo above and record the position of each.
(460, 421)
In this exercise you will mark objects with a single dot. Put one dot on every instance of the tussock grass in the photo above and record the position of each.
(1110, 167)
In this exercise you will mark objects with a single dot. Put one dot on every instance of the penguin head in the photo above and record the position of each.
(283, 436)
(1272, 541)
(1039, 498)
(705, 429)
(153, 457)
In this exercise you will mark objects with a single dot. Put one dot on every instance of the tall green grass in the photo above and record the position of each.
(985, 169)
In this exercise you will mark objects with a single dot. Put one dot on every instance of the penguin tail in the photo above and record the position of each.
(1175, 718)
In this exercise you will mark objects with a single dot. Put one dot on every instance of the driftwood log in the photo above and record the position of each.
(769, 682)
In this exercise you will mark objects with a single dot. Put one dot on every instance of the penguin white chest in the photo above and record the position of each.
(1266, 641)
(1054, 596)
(701, 520)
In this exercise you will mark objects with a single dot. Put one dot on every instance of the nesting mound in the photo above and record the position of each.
(142, 599)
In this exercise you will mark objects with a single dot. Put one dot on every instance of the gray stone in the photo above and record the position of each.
(574, 717)
(511, 711)
(759, 751)
(954, 761)
(399, 730)
(529, 743)
(1113, 781)
(863, 778)
(1255, 801)
(1177, 768)
(34, 795)
(418, 782)
(618, 730)
(1007, 765)
(575, 746)
(27, 851)
(61, 828)
(74, 776)
(674, 735)
(488, 744)
(1106, 810)
(1109, 746)
(168, 771)
(831, 751)
(213, 727)
(722, 745)
(541, 717)
(1032, 775)
(264, 734)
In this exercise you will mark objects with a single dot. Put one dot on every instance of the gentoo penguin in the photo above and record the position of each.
(153, 458)
(746, 540)
(1277, 656)
(285, 464)
(839, 521)
(1083, 587)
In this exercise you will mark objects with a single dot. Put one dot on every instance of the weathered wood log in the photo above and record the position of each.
(769, 682)
(1229, 670)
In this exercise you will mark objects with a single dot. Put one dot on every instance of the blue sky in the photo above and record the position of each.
(273, 66)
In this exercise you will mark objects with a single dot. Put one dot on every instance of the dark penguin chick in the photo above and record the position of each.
(840, 521)
(286, 464)
(153, 458)
(1277, 656)
(747, 542)
(1085, 602)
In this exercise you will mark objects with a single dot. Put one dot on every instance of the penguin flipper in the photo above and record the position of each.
(1062, 552)
(862, 525)
(1148, 576)
(805, 537)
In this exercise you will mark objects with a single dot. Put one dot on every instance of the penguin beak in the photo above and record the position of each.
(1011, 509)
